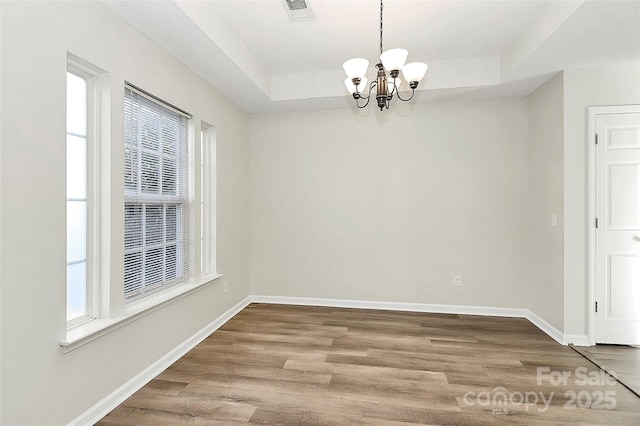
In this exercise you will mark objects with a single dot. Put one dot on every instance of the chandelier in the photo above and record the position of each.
(393, 61)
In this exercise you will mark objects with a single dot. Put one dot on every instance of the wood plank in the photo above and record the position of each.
(621, 361)
(277, 364)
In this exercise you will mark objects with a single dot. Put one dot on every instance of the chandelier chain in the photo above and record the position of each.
(381, 27)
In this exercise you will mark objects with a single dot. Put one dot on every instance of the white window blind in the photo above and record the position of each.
(156, 195)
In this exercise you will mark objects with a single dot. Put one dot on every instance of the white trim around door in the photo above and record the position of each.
(592, 113)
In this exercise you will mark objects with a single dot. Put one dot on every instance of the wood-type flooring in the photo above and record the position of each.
(622, 362)
(300, 365)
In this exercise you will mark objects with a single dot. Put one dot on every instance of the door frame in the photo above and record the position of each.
(592, 114)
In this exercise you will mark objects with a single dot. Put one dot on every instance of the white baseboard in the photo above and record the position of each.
(550, 330)
(115, 398)
(576, 339)
(394, 306)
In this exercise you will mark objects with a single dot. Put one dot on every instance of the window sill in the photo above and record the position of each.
(91, 330)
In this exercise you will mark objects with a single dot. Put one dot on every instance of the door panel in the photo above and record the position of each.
(622, 187)
(623, 273)
(624, 138)
(617, 267)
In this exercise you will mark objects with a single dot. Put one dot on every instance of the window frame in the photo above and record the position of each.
(92, 77)
(207, 199)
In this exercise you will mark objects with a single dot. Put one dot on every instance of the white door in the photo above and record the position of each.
(617, 236)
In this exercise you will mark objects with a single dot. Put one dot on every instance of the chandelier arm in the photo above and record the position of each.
(361, 94)
(394, 90)
(358, 95)
(371, 86)
(365, 104)
(413, 92)
(368, 97)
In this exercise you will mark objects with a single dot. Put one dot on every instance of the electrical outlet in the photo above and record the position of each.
(457, 281)
(226, 286)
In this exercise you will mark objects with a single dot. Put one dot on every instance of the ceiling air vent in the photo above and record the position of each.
(296, 4)
(298, 10)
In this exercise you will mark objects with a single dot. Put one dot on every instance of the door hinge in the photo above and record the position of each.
(596, 306)
(596, 222)
(596, 139)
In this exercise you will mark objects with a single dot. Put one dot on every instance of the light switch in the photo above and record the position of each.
(554, 220)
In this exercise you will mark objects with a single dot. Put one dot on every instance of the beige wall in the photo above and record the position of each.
(389, 206)
(584, 88)
(545, 243)
(40, 384)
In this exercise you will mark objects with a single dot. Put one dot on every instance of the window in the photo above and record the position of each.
(166, 205)
(207, 199)
(86, 117)
(77, 144)
(156, 211)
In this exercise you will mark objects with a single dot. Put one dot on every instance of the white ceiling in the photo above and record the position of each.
(253, 53)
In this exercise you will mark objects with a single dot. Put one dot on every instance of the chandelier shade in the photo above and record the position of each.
(391, 61)
(356, 67)
(351, 88)
(414, 71)
(394, 59)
